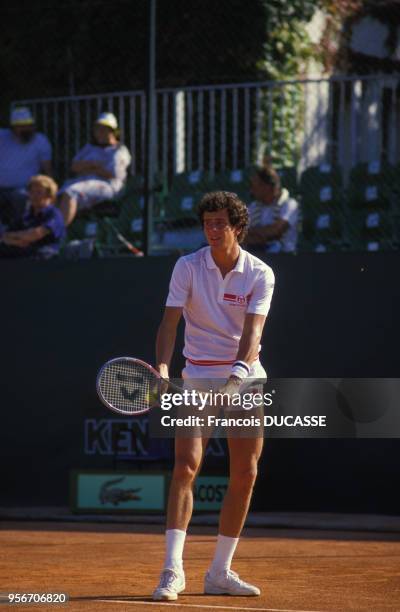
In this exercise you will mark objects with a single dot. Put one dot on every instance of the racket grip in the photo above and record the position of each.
(136, 252)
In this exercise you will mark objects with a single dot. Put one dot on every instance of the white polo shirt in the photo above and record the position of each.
(214, 308)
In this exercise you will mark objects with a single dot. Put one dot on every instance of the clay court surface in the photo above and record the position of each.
(115, 567)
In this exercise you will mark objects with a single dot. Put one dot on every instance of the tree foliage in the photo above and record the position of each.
(287, 45)
(286, 52)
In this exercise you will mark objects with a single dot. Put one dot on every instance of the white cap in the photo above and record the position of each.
(21, 116)
(108, 119)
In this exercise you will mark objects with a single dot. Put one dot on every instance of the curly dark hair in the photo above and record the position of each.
(237, 210)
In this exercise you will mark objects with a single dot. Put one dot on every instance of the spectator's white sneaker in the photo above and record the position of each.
(171, 583)
(228, 583)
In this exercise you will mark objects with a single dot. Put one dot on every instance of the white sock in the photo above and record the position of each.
(175, 541)
(223, 554)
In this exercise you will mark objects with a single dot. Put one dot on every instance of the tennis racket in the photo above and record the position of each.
(130, 386)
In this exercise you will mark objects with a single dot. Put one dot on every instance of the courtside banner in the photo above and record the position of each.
(280, 408)
(209, 492)
(123, 438)
(117, 491)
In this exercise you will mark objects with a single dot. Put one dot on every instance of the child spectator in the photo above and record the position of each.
(41, 229)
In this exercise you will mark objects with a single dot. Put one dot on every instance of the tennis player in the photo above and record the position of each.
(224, 294)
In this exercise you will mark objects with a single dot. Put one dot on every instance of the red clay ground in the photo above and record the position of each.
(115, 568)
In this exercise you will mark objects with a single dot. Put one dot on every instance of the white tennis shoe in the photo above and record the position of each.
(228, 583)
(172, 582)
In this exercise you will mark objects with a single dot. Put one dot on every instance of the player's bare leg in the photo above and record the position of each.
(244, 454)
(189, 454)
(68, 207)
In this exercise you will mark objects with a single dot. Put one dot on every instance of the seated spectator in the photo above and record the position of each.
(274, 215)
(41, 229)
(23, 153)
(101, 168)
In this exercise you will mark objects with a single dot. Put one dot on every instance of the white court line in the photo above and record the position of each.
(183, 605)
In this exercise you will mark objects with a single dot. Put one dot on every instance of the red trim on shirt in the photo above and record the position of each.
(238, 299)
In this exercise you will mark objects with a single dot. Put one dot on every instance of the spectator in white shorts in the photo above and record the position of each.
(101, 168)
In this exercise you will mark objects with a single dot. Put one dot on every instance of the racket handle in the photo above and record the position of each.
(137, 252)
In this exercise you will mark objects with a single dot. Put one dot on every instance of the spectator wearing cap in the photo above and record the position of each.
(274, 215)
(24, 152)
(101, 168)
(41, 230)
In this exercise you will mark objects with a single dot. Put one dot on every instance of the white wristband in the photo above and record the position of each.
(240, 369)
(244, 364)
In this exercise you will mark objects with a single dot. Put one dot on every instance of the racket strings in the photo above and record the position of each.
(127, 386)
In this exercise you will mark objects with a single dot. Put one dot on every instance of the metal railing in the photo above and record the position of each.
(323, 128)
(341, 120)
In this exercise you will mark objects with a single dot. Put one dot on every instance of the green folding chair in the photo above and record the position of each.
(321, 187)
(288, 176)
(372, 185)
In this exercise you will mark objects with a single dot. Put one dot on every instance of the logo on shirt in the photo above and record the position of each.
(236, 300)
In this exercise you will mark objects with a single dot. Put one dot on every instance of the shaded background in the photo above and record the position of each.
(62, 320)
(328, 319)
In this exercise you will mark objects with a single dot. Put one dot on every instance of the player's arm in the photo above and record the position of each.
(253, 326)
(247, 352)
(251, 337)
(260, 235)
(166, 336)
